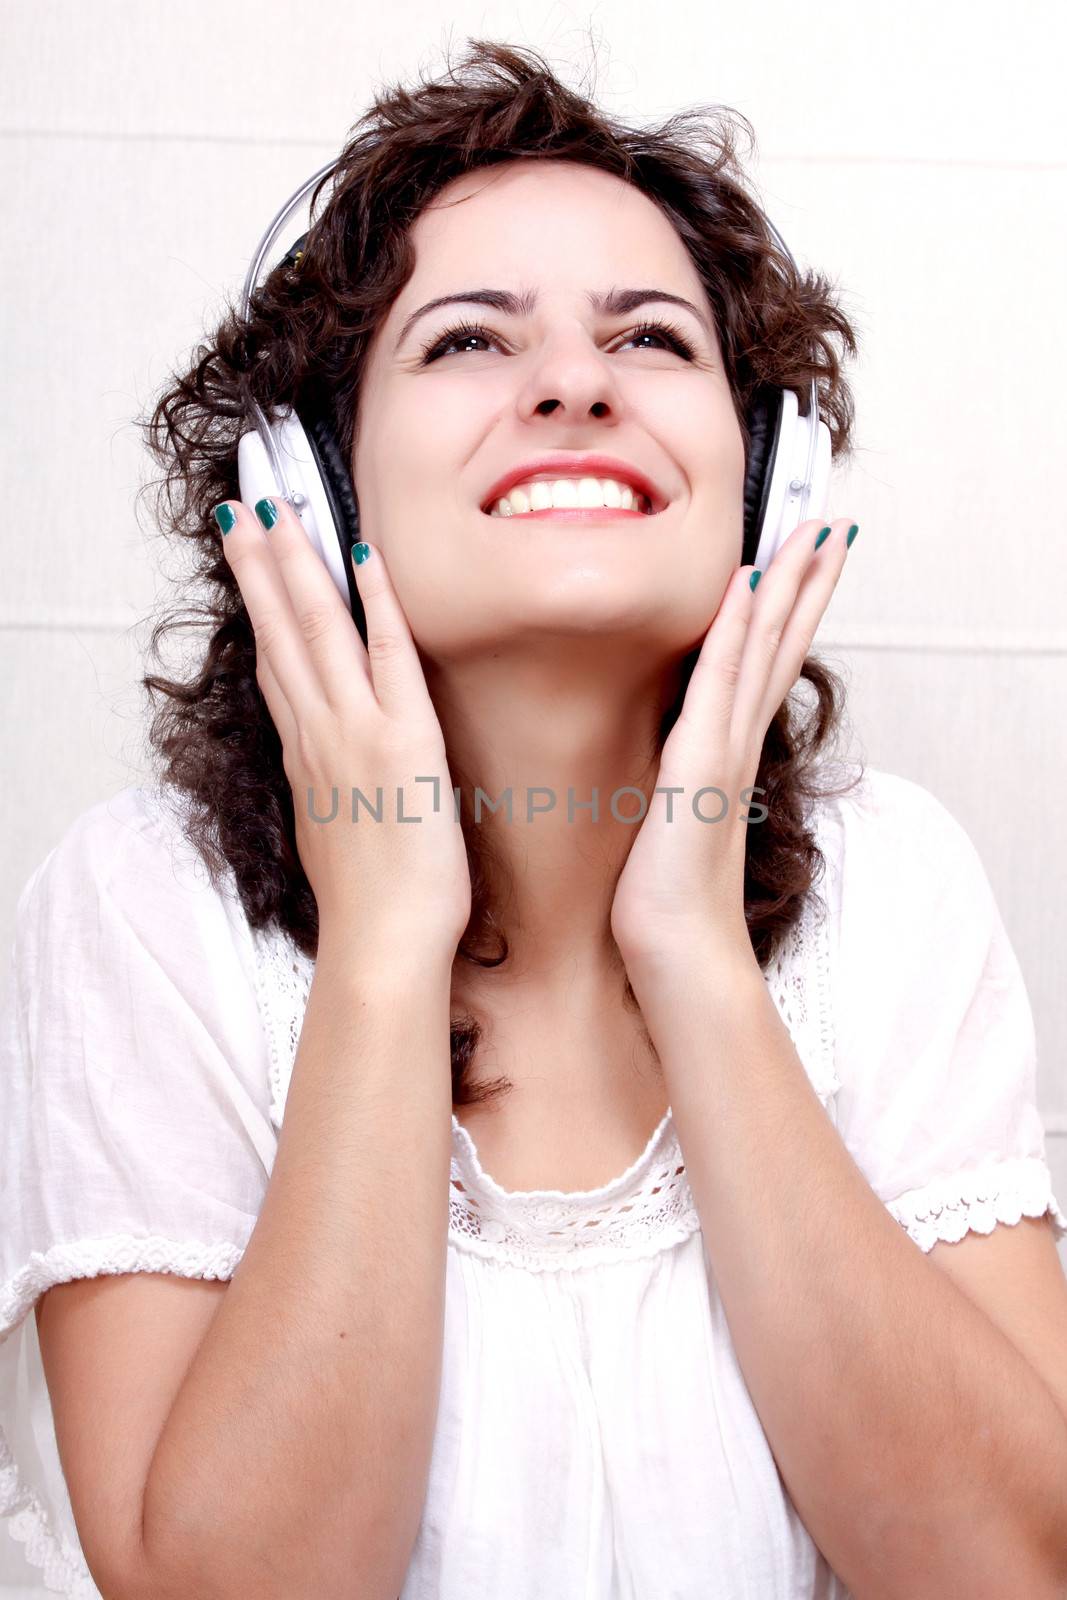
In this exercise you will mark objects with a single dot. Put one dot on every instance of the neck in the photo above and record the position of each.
(555, 731)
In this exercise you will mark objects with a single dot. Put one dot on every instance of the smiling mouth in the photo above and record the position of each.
(574, 514)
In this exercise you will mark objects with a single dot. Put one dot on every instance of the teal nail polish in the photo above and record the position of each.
(267, 512)
(755, 578)
(360, 552)
(825, 534)
(852, 532)
(225, 516)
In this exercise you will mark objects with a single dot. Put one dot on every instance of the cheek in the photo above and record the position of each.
(423, 442)
(698, 429)
(723, 448)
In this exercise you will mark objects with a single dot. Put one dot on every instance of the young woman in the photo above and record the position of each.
(567, 1200)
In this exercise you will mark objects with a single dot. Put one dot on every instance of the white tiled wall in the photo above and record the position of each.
(918, 154)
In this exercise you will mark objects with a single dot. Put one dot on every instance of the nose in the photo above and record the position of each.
(572, 381)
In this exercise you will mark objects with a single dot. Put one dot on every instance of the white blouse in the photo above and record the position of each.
(595, 1438)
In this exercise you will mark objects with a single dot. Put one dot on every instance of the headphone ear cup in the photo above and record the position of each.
(764, 419)
(341, 496)
(788, 475)
(310, 468)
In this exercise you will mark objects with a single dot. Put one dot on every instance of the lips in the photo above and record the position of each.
(575, 464)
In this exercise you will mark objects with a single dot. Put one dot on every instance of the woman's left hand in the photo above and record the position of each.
(682, 887)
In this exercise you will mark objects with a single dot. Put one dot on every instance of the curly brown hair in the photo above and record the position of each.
(303, 344)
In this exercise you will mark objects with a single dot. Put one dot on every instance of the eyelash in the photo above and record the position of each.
(471, 330)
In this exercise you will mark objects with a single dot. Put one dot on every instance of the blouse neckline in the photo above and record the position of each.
(467, 1158)
(641, 1211)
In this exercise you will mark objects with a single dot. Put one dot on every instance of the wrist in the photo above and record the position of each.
(693, 952)
(389, 956)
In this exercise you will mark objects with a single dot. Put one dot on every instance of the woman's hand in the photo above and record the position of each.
(683, 882)
(353, 716)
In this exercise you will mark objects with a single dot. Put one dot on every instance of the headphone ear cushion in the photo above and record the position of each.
(336, 479)
(764, 419)
(341, 495)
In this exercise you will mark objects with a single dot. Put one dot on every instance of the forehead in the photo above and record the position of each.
(546, 219)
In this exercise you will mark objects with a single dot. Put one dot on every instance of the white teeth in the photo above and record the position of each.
(570, 494)
(565, 494)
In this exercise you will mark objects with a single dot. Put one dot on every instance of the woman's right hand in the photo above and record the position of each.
(353, 716)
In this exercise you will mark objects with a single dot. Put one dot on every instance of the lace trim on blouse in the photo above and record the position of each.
(647, 1208)
(998, 1191)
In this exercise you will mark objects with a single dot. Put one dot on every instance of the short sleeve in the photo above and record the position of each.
(934, 1031)
(135, 1130)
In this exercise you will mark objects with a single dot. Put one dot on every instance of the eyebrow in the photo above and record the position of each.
(617, 302)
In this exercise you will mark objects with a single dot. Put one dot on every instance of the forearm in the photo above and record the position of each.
(295, 1458)
(923, 1453)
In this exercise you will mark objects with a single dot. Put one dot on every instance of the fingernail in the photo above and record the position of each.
(755, 578)
(360, 552)
(852, 532)
(225, 516)
(267, 512)
(825, 534)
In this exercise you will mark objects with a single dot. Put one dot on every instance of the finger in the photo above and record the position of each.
(816, 591)
(323, 619)
(280, 710)
(395, 667)
(774, 601)
(270, 611)
(709, 696)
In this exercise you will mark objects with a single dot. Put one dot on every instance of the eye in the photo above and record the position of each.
(666, 331)
(462, 332)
